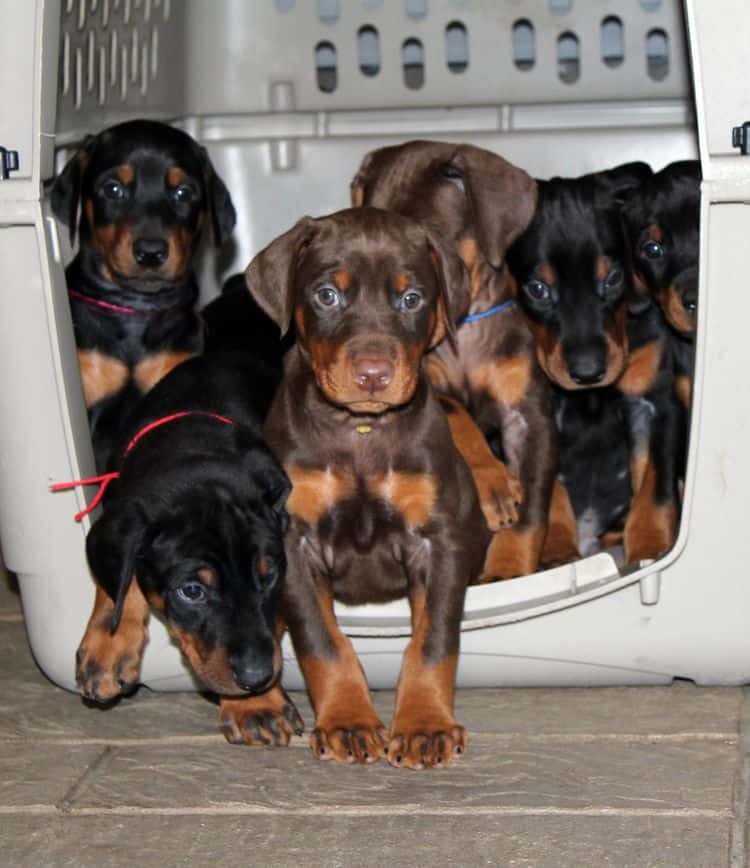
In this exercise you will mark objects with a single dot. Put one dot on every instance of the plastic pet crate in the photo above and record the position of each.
(288, 96)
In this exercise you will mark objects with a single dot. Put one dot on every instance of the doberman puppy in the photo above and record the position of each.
(574, 283)
(234, 321)
(145, 191)
(480, 203)
(661, 219)
(193, 529)
(382, 505)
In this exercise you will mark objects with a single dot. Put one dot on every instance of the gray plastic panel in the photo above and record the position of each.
(119, 59)
(261, 47)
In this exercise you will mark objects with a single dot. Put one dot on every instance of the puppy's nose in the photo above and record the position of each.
(373, 373)
(150, 252)
(687, 286)
(587, 370)
(252, 673)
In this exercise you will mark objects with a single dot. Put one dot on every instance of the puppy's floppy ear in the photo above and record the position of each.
(501, 196)
(455, 294)
(617, 184)
(112, 547)
(272, 481)
(270, 276)
(65, 196)
(221, 209)
(358, 186)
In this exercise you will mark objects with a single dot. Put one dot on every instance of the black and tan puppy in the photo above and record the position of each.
(662, 218)
(382, 506)
(145, 193)
(571, 267)
(479, 203)
(192, 528)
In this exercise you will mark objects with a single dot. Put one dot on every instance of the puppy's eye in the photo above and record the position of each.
(266, 570)
(183, 193)
(112, 190)
(328, 296)
(613, 281)
(192, 592)
(411, 300)
(452, 174)
(537, 291)
(652, 250)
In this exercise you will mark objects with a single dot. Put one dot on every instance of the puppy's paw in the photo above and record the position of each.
(425, 744)
(108, 665)
(270, 719)
(500, 494)
(348, 741)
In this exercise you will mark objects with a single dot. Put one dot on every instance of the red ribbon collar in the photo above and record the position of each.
(104, 479)
(104, 305)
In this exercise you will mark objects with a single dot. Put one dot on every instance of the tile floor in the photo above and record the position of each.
(559, 777)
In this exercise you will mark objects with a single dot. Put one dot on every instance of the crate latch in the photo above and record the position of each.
(741, 138)
(8, 162)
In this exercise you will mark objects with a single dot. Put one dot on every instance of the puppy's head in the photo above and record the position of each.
(662, 220)
(478, 201)
(211, 564)
(144, 191)
(370, 293)
(570, 268)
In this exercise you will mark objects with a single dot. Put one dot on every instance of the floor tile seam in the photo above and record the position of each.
(91, 769)
(728, 738)
(407, 809)
(11, 618)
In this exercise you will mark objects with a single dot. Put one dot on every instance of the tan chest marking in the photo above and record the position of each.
(641, 371)
(101, 375)
(506, 380)
(315, 492)
(154, 368)
(683, 386)
(413, 495)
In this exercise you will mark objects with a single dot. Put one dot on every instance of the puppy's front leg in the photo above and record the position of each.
(347, 727)
(424, 732)
(109, 664)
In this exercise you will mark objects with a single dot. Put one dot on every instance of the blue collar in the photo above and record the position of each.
(492, 310)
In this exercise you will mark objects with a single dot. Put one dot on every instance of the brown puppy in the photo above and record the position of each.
(382, 506)
(480, 203)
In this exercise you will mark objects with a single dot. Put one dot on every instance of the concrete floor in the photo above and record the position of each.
(621, 776)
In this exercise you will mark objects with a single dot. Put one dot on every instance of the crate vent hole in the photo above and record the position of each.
(154, 52)
(328, 10)
(613, 42)
(650, 5)
(560, 7)
(412, 58)
(657, 54)
(325, 66)
(456, 46)
(368, 50)
(416, 8)
(114, 68)
(283, 6)
(90, 60)
(102, 74)
(65, 58)
(568, 57)
(524, 52)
